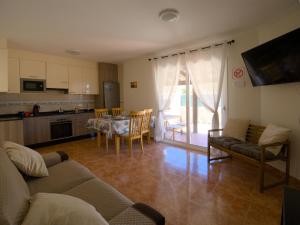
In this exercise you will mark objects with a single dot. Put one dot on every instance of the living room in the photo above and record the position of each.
(172, 178)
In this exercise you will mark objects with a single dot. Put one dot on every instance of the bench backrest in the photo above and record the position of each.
(253, 133)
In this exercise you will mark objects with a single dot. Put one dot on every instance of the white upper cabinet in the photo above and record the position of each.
(57, 76)
(32, 69)
(75, 80)
(3, 70)
(83, 80)
(13, 75)
(91, 83)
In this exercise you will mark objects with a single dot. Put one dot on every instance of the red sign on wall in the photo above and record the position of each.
(238, 73)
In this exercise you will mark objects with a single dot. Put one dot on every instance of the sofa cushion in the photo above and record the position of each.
(251, 150)
(26, 159)
(14, 193)
(62, 177)
(225, 142)
(59, 209)
(107, 201)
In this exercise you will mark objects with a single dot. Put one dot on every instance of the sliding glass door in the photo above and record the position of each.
(188, 120)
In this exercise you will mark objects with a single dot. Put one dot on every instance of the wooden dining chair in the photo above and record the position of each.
(134, 131)
(100, 113)
(146, 124)
(116, 111)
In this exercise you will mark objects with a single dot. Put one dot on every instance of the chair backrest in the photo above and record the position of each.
(116, 111)
(253, 133)
(147, 119)
(101, 112)
(136, 123)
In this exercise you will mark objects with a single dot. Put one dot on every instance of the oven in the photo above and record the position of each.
(61, 128)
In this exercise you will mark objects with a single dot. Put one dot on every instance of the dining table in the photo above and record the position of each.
(118, 125)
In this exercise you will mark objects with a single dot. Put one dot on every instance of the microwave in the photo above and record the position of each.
(29, 85)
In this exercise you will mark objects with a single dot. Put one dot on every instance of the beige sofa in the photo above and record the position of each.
(71, 178)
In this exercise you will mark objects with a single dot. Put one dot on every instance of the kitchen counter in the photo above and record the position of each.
(10, 117)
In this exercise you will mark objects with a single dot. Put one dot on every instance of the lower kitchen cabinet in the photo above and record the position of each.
(79, 123)
(36, 130)
(11, 131)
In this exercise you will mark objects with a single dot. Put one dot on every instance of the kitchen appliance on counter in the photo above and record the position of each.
(36, 110)
(30, 85)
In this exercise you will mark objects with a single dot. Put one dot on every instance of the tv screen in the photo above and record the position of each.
(275, 62)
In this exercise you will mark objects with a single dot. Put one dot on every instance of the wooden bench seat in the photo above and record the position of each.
(250, 151)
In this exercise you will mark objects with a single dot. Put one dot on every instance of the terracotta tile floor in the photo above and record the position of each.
(178, 183)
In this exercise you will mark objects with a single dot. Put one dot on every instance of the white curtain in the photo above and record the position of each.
(166, 74)
(206, 69)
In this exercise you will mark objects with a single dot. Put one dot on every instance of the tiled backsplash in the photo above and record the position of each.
(13, 103)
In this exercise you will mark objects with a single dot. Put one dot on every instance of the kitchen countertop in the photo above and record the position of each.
(11, 117)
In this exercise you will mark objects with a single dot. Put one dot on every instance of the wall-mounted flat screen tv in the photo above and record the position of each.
(276, 61)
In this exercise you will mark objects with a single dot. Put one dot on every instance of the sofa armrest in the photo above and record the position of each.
(54, 158)
(150, 213)
(138, 213)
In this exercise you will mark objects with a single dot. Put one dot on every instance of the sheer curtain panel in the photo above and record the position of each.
(206, 69)
(166, 74)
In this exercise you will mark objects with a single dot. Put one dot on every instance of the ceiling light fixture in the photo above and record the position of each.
(72, 52)
(169, 15)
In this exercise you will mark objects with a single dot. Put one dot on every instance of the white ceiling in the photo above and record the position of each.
(115, 30)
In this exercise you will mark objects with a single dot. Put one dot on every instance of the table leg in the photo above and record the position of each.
(117, 144)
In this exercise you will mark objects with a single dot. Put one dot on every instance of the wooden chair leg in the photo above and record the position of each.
(98, 139)
(208, 153)
(173, 134)
(106, 142)
(262, 177)
(142, 144)
(130, 146)
(149, 138)
(117, 143)
(287, 166)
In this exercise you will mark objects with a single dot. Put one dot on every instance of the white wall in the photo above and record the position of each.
(277, 104)
(141, 97)
(280, 104)
(243, 102)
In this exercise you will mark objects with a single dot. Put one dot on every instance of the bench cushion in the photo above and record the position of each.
(225, 142)
(251, 150)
